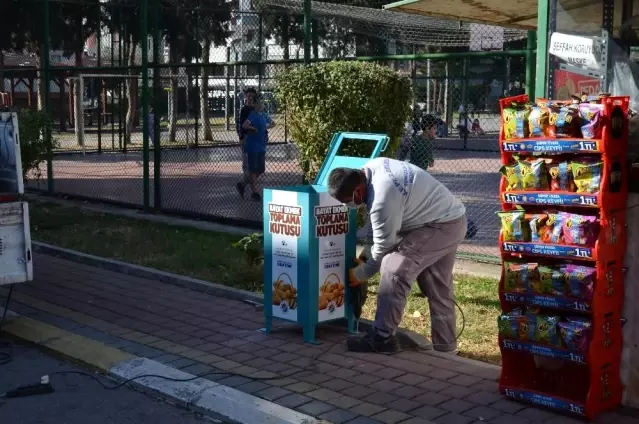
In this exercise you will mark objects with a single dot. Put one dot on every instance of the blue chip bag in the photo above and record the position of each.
(519, 277)
(538, 121)
(551, 281)
(580, 279)
(555, 220)
(560, 176)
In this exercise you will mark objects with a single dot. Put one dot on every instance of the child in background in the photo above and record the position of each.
(476, 128)
(419, 151)
(261, 109)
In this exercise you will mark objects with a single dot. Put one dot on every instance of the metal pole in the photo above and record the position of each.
(542, 48)
(260, 67)
(144, 41)
(530, 64)
(235, 92)
(157, 146)
(47, 102)
(315, 40)
(198, 79)
(464, 94)
(99, 52)
(552, 27)
(428, 85)
(308, 18)
(227, 89)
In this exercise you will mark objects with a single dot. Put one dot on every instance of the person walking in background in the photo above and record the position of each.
(255, 125)
(419, 150)
(249, 104)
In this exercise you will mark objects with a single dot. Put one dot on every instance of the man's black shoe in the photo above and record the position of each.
(256, 197)
(373, 342)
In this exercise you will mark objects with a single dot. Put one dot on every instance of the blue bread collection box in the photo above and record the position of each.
(309, 245)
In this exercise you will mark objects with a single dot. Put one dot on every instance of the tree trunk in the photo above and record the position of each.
(132, 94)
(207, 134)
(173, 116)
(78, 112)
(63, 115)
(285, 37)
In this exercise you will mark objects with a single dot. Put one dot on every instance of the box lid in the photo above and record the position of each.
(333, 160)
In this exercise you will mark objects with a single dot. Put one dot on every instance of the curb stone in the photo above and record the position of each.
(199, 394)
(408, 338)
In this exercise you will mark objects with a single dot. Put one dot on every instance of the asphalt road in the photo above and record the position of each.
(78, 399)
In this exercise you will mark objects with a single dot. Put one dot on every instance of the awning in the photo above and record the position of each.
(580, 16)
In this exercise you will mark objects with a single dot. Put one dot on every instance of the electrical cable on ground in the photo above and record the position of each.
(5, 358)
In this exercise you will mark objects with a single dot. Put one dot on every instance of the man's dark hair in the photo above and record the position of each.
(342, 182)
(250, 90)
(428, 122)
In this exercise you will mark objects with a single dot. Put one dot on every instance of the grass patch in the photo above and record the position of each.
(477, 297)
(209, 256)
(186, 251)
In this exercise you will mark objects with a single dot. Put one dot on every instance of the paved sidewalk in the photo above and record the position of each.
(199, 333)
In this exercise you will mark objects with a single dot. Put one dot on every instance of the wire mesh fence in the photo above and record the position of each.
(146, 96)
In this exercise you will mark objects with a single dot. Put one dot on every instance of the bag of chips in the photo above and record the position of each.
(551, 281)
(512, 174)
(538, 120)
(516, 325)
(586, 175)
(546, 330)
(591, 120)
(563, 121)
(519, 278)
(555, 221)
(580, 230)
(575, 334)
(580, 280)
(560, 176)
(513, 227)
(508, 118)
(533, 174)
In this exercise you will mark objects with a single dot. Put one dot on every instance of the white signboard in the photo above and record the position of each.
(584, 52)
(285, 226)
(331, 228)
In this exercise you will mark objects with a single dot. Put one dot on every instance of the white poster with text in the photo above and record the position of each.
(584, 52)
(285, 227)
(331, 219)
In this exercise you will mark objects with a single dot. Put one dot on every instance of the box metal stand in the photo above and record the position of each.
(309, 246)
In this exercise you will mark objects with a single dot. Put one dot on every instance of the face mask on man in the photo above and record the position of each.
(352, 204)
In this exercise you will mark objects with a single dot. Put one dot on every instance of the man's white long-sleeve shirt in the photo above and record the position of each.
(401, 198)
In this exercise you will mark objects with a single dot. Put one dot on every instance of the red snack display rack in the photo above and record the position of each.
(538, 364)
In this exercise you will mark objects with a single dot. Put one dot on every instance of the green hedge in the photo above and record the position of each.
(324, 98)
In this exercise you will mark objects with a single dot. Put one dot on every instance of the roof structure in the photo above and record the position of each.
(579, 16)
(400, 27)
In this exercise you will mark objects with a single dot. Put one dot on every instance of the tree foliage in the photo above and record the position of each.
(33, 125)
(342, 96)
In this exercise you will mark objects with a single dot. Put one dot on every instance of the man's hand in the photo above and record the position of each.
(356, 275)
(365, 254)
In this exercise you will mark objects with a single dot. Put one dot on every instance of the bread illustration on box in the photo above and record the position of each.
(331, 293)
(284, 292)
